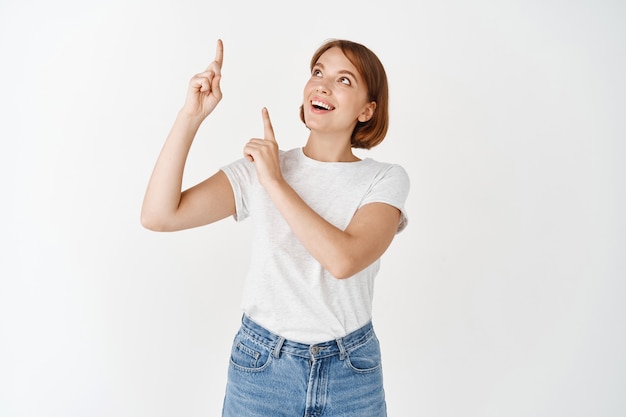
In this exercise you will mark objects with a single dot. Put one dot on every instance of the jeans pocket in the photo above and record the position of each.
(248, 354)
(365, 357)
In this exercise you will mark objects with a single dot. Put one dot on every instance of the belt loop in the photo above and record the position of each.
(278, 347)
(342, 349)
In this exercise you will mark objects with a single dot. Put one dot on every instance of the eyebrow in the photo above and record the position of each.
(319, 64)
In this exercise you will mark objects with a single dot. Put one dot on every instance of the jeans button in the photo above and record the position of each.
(315, 350)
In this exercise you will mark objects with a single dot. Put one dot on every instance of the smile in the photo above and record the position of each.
(321, 105)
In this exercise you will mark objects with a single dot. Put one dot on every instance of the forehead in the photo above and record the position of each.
(335, 59)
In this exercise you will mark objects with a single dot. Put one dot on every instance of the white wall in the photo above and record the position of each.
(505, 295)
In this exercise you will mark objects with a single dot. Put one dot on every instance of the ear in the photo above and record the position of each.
(368, 112)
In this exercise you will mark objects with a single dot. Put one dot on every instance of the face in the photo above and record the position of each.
(335, 97)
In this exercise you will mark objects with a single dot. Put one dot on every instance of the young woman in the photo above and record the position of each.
(323, 218)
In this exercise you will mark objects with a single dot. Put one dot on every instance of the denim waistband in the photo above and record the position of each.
(279, 344)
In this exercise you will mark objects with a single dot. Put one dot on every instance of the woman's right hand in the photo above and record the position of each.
(204, 88)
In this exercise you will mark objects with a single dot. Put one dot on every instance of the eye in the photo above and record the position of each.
(345, 80)
(316, 73)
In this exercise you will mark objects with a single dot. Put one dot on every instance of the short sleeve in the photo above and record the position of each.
(241, 175)
(391, 187)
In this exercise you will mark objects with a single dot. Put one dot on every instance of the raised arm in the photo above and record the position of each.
(165, 206)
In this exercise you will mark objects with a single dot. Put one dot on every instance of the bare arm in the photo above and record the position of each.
(342, 252)
(165, 207)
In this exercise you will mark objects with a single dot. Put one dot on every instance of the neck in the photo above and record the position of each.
(329, 149)
(325, 152)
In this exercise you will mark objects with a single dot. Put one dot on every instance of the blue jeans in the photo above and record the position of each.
(269, 376)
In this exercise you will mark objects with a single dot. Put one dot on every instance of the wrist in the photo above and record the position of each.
(276, 186)
(190, 118)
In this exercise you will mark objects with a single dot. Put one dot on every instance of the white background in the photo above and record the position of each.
(504, 296)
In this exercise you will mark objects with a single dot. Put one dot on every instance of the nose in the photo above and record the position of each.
(321, 88)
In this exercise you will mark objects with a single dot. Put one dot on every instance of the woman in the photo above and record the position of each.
(323, 218)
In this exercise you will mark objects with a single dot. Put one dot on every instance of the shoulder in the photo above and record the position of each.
(389, 171)
(289, 155)
(390, 185)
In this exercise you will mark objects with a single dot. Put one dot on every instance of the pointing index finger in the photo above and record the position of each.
(216, 65)
(219, 52)
(267, 125)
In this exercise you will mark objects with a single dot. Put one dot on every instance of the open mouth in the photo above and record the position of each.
(320, 105)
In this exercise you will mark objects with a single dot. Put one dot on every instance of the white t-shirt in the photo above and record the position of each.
(287, 291)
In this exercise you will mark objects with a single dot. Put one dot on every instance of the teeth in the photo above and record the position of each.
(321, 104)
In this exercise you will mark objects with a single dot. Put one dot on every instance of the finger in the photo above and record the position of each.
(215, 87)
(205, 85)
(255, 148)
(216, 64)
(208, 73)
(200, 83)
(267, 125)
(219, 52)
(248, 152)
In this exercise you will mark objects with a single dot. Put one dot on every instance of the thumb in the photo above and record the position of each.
(267, 126)
(215, 86)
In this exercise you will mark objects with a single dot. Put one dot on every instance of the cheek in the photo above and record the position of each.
(306, 92)
(310, 85)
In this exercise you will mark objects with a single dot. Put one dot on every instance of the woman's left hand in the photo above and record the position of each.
(264, 153)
